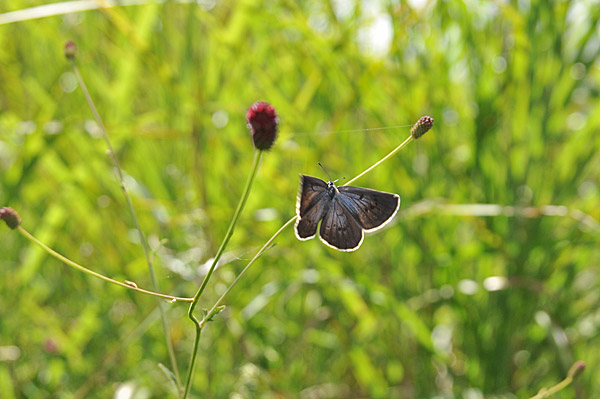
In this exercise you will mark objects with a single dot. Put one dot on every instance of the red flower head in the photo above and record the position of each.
(11, 217)
(421, 127)
(262, 122)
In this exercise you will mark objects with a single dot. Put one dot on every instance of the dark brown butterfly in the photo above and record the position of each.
(346, 212)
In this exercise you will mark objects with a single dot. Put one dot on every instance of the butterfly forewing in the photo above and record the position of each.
(339, 229)
(372, 209)
(311, 206)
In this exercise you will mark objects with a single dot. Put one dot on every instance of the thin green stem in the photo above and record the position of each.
(289, 222)
(77, 266)
(142, 238)
(382, 160)
(192, 363)
(228, 234)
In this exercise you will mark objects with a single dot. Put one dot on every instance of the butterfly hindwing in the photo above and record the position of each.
(372, 209)
(339, 229)
(311, 205)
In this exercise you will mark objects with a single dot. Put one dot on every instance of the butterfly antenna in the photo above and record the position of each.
(325, 170)
(341, 178)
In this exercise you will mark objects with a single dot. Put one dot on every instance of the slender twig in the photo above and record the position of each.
(77, 266)
(228, 234)
(142, 238)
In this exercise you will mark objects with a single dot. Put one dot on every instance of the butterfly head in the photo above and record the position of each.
(331, 189)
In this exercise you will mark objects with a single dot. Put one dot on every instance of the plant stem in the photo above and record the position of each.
(228, 234)
(289, 222)
(142, 238)
(376, 164)
(77, 266)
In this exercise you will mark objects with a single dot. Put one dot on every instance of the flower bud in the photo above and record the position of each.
(421, 127)
(70, 50)
(262, 122)
(10, 216)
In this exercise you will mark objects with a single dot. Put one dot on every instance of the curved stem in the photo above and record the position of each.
(228, 234)
(77, 266)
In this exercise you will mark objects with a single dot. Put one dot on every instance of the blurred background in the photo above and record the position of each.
(479, 289)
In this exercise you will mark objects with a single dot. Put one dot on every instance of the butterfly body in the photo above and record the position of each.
(345, 212)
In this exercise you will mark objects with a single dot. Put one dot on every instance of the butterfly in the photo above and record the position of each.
(345, 212)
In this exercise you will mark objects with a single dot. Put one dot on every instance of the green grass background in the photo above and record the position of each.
(514, 90)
